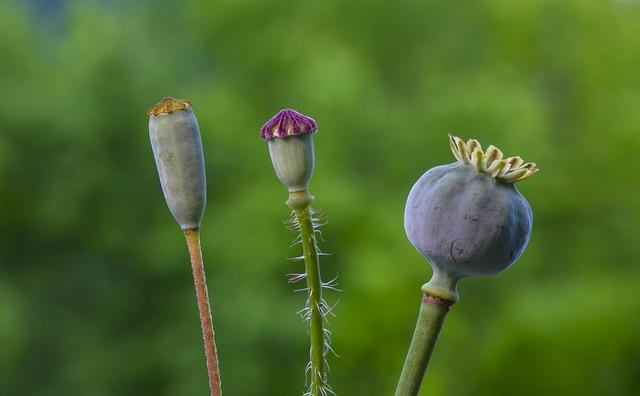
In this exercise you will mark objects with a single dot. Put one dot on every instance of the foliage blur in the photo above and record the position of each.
(96, 294)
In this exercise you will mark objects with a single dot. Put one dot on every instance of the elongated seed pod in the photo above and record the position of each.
(177, 148)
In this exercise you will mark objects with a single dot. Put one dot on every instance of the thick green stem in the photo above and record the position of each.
(317, 369)
(432, 313)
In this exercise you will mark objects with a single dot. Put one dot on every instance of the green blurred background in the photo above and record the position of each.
(96, 293)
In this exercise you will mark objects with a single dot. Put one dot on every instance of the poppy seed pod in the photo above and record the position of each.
(467, 218)
(177, 148)
(288, 135)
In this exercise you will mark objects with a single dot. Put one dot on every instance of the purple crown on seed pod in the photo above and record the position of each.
(287, 122)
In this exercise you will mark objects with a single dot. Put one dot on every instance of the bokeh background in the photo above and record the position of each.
(96, 293)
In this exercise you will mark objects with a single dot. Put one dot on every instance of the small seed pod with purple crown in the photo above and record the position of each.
(289, 137)
(466, 218)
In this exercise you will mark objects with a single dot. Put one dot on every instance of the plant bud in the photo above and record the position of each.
(177, 148)
(467, 218)
(288, 135)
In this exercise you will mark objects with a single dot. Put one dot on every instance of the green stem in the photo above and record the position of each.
(432, 313)
(314, 284)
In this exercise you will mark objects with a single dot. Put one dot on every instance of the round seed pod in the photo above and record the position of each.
(177, 148)
(467, 218)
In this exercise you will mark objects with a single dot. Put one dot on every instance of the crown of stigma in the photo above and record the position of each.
(168, 105)
(509, 170)
(287, 122)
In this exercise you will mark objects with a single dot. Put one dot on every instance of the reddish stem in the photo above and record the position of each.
(202, 296)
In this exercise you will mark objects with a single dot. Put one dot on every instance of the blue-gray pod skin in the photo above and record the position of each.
(465, 222)
(177, 148)
(293, 160)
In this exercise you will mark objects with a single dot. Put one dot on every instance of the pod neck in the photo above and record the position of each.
(299, 199)
(442, 285)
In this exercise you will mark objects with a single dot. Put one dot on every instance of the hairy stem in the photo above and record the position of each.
(433, 310)
(314, 284)
(202, 297)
